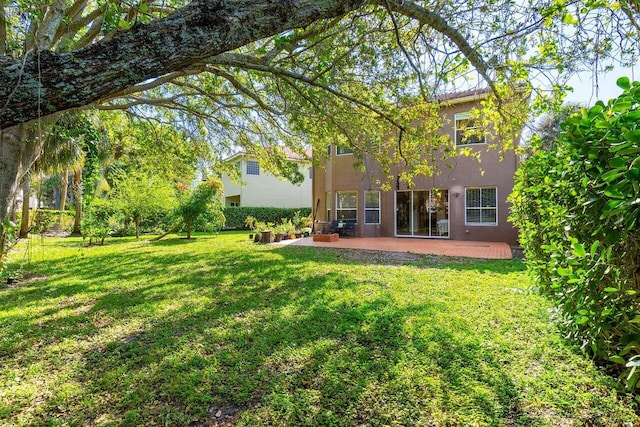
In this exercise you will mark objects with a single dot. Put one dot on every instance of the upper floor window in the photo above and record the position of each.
(481, 206)
(253, 168)
(311, 173)
(467, 130)
(343, 150)
(329, 150)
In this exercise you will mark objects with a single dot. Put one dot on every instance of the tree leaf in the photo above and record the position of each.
(613, 192)
(578, 250)
(623, 83)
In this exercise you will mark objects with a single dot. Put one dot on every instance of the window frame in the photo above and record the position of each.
(343, 151)
(372, 209)
(327, 201)
(480, 208)
(339, 207)
(465, 116)
(257, 165)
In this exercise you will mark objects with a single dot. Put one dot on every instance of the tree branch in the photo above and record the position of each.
(437, 22)
(233, 60)
(3, 30)
(200, 30)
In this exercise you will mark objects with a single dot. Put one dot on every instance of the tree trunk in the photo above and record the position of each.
(24, 221)
(37, 85)
(137, 227)
(171, 230)
(16, 154)
(64, 185)
(188, 229)
(77, 196)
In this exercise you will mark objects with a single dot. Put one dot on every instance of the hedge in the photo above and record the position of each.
(236, 215)
(44, 220)
(578, 212)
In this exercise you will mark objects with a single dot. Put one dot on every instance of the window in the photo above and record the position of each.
(236, 204)
(343, 150)
(481, 206)
(466, 130)
(372, 207)
(329, 150)
(328, 203)
(347, 205)
(310, 173)
(253, 168)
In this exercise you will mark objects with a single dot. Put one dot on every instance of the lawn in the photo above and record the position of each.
(218, 330)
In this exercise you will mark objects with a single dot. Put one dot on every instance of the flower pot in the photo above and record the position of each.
(266, 236)
(277, 237)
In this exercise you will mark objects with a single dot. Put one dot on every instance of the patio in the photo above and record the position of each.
(458, 248)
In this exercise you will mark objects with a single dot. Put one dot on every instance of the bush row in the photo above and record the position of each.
(44, 220)
(236, 215)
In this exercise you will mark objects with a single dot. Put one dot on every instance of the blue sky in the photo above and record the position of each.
(586, 92)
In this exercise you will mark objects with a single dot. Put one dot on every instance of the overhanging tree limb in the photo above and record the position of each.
(202, 29)
(235, 61)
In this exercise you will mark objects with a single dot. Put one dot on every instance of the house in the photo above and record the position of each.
(466, 202)
(259, 188)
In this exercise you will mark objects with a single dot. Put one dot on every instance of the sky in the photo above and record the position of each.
(586, 90)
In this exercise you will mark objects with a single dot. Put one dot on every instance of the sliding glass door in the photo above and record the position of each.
(422, 213)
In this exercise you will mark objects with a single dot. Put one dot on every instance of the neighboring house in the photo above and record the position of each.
(462, 203)
(258, 187)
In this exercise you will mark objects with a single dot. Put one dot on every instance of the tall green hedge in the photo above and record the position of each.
(236, 215)
(578, 210)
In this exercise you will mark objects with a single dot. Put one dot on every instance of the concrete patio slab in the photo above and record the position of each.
(458, 248)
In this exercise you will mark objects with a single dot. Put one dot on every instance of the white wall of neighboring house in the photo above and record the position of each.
(266, 190)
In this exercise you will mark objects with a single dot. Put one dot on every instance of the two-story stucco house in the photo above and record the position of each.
(259, 188)
(467, 202)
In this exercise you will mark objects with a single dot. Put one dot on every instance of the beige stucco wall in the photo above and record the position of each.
(340, 175)
(268, 190)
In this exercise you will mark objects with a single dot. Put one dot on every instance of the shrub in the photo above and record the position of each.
(202, 207)
(45, 220)
(578, 210)
(237, 215)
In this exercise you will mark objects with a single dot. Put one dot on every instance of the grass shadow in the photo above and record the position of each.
(224, 331)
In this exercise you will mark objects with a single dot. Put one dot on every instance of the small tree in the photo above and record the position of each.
(205, 197)
(140, 195)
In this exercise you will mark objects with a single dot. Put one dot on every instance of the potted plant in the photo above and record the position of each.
(250, 222)
(302, 224)
(289, 229)
(282, 229)
(266, 233)
(263, 232)
(277, 233)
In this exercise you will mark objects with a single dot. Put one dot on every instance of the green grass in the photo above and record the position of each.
(176, 332)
